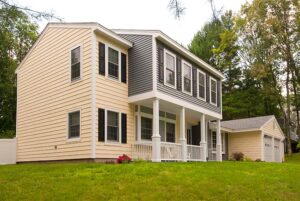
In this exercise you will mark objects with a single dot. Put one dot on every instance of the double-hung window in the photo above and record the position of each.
(146, 128)
(113, 63)
(170, 132)
(74, 124)
(113, 126)
(170, 69)
(75, 64)
(214, 140)
(213, 91)
(201, 85)
(187, 78)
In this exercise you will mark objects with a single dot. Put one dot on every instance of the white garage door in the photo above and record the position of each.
(277, 150)
(268, 148)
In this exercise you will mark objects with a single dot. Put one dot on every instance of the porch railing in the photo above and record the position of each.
(169, 151)
(212, 156)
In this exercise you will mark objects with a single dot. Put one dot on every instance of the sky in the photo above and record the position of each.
(135, 14)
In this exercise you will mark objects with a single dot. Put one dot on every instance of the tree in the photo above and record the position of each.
(17, 34)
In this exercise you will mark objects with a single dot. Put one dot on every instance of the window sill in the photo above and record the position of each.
(188, 93)
(169, 85)
(73, 140)
(203, 99)
(75, 81)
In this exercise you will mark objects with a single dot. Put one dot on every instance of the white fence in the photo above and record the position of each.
(7, 151)
(194, 152)
(170, 151)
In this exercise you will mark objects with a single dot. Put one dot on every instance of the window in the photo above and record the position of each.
(112, 126)
(146, 128)
(170, 132)
(75, 64)
(214, 140)
(201, 85)
(213, 91)
(74, 125)
(113, 63)
(170, 69)
(187, 78)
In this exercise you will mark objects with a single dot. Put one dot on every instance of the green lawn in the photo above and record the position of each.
(152, 181)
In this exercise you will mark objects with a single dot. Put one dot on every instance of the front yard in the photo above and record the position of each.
(152, 181)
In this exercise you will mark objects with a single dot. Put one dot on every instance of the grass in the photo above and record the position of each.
(152, 181)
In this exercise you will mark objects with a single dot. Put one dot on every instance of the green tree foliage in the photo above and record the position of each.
(17, 35)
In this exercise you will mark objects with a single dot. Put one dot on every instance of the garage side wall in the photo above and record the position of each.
(249, 143)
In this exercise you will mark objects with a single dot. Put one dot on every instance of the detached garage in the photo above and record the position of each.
(257, 138)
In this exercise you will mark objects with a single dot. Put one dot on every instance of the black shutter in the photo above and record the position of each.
(218, 93)
(178, 69)
(124, 128)
(101, 59)
(161, 64)
(123, 67)
(194, 81)
(101, 125)
(207, 89)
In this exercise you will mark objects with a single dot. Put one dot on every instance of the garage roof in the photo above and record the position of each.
(247, 123)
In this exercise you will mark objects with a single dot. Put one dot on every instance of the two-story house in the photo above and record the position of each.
(87, 92)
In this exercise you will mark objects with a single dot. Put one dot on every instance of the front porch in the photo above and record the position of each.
(168, 132)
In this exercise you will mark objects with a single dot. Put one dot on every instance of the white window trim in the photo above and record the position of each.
(210, 90)
(106, 62)
(120, 129)
(80, 123)
(81, 63)
(165, 69)
(182, 77)
(200, 71)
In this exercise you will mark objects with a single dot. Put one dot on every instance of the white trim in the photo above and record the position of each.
(93, 101)
(80, 45)
(188, 105)
(165, 68)
(169, 41)
(154, 65)
(80, 125)
(200, 71)
(210, 90)
(183, 62)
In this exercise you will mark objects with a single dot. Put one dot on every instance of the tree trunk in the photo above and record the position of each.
(288, 111)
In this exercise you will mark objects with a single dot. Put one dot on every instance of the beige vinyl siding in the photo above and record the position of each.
(113, 95)
(272, 129)
(249, 143)
(46, 96)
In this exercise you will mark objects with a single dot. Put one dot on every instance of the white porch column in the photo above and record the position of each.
(182, 135)
(155, 135)
(203, 144)
(219, 141)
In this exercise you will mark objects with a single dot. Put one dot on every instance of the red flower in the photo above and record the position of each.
(124, 159)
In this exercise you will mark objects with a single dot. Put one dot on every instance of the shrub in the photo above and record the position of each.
(298, 146)
(7, 134)
(124, 159)
(247, 159)
(258, 160)
(238, 156)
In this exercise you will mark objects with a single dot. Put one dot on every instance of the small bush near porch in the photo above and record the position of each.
(152, 181)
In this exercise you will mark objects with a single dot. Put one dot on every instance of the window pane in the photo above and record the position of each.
(112, 126)
(113, 56)
(170, 77)
(214, 139)
(201, 85)
(75, 71)
(74, 124)
(146, 128)
(170, 62)
(187, 84)
(162, 130)
(201, 79)
(187, 71)
(213, 97)
(187, 77)
(75, 55)
(213, 85)
(170, 132)
(113, 70)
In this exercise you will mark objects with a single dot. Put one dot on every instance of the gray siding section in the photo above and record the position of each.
(179, 94)
(139, 64)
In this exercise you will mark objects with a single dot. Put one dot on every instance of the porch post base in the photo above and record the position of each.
(219, 152)
(183, 150)
(203, 148)
(156, 149)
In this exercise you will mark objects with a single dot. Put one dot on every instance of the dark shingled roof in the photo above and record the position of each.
(248, 123)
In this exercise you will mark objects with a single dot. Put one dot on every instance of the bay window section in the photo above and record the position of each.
(170, 69)
(113, 63)
(112, 126)
(187, 78)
